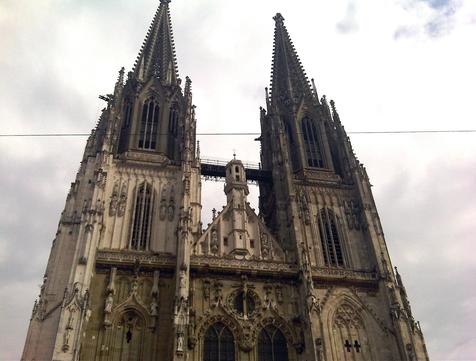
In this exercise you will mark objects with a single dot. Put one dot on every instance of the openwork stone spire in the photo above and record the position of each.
(288, 78)
(157, 54)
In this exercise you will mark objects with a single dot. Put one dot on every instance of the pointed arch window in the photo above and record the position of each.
(126, 122)
(272, 345)
(350, 336)
(330, 238)
(149, 125)
(312, 143)
(293, 149)
(142, 217)
(218, 344)
(173, 130)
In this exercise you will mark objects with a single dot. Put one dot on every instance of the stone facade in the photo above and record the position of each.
(133, 275)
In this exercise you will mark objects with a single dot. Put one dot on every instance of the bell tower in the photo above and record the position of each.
(321, 208)
(116, 285)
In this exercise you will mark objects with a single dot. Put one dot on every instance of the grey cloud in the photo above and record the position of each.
(349, 23)
(419, 221)
(437, 4)
(405, 32)
(441, 22)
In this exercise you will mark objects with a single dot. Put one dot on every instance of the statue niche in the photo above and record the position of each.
(128, 337)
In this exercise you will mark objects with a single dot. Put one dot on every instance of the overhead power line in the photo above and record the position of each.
(427, 131)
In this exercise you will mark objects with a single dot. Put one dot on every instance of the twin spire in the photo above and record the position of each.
(288, 78)
(157, 55)
(157, 58)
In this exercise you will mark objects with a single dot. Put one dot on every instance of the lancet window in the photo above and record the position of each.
(330, 238)
(126, 122)
(312, 143)
(173, 130)
(142, 217)
(149, 125)
(272, 345)
(218, 344)
(293, 149)
(351, 342)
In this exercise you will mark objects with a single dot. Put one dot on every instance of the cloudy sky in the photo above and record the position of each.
(388, 64)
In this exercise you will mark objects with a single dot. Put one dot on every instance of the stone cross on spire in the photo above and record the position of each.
(157, 55)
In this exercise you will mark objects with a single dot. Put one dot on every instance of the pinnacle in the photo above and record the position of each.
(157, 55)
(288, 78)
(278, 18)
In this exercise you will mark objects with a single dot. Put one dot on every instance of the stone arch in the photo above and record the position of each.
(131, 304)
(284, 326)
(228, 321)
(348, 325)
(272, 345)
(128, 335)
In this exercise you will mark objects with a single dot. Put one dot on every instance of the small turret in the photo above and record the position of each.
(236, 191)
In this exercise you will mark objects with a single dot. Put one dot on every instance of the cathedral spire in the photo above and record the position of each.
(157, 54)
(288, 78)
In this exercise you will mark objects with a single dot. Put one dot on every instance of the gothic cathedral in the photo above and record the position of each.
(133, 276)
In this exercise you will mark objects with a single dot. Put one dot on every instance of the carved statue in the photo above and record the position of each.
(279, 294)
(171, 209)
(182, 281)
(109, 303)
(163, 209)
(265, 245)
(121, 208)
(154, 308)
(179, 342)
(214, 241)
(313, 303)
(114, 200)
(218, 294)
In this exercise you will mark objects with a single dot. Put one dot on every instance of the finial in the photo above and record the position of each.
(234, 154)
(278, 18)
(120, 79)
(315, 89)
(214, 211)
(166, 2)
(188, 86)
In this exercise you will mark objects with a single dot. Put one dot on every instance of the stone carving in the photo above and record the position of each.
(313, 304)
(279, 294)
(121, 208)
(304, 207)
(346, 316)
(108, 308)
(352, 214)
(171, 208)
(154, 308)
(268, 302)
(110, 290)
(68, 329)
(113, 204)
(214, 241)
(206, 289)
(101, 177)
(265, 245)
(180, 342)
(192, 329)
(319, 349)
(163, 209)
(217, 294)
